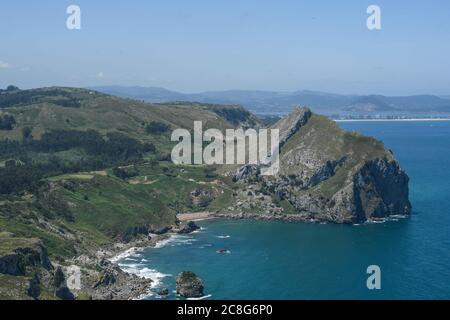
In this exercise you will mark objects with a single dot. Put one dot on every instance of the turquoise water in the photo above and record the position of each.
(275, 260)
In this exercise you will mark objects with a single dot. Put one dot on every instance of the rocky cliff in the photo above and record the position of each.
(327, 174)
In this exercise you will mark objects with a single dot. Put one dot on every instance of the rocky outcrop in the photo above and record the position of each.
(189, 285)
(34, 288)
(327, 174)
(324, 172)
(290, 124)
(23, 257)
(380, 188)
(134, 232)
(160, 231)
(60, 284)
(116, 284)
(188, 228)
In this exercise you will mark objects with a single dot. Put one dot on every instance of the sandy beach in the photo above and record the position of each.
(193, 216)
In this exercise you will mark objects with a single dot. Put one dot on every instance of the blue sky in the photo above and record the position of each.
(196, 45)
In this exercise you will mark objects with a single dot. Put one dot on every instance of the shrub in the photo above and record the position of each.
(156, 127)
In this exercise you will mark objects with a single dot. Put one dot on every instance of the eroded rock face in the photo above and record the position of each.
(380, 189)
(16, 262)
(290, 124)
(116, 284)
(189, 285)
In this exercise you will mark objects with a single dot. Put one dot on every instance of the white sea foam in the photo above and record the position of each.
(224, 237)
(223, 252)
(378, 221)
(140, 268)
(175, 240)
(132, 252)
(200, 298)
(146, 273)
(130, 259)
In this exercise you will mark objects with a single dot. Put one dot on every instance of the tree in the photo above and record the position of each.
(7, 122)
(26, 134)
(156, 127)
(12, 88)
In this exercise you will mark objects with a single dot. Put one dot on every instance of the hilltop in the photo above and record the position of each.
(326, 175)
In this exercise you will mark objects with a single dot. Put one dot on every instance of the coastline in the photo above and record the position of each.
(127, 251)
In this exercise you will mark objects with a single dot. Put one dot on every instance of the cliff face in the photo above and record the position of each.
(19, 254)
(327, 174)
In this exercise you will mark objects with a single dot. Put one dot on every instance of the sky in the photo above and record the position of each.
(201, 45)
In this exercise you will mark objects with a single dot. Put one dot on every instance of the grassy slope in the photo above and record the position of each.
(13, 287)
(9, 244)
(113, 205)
(329, 142)
(106, 113)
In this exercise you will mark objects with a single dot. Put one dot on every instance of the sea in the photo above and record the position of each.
(275, 260)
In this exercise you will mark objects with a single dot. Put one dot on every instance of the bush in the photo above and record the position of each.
(125, 173)
(7, 122)
(156, 127)
(26, 133)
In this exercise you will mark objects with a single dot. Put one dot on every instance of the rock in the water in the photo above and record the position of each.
(189, 285)
(188, 228)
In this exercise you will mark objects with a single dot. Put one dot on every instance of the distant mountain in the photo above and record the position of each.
(369, 104)
(280, 103)
(151, 94)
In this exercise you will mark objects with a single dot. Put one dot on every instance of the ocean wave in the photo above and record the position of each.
(223, 237)
(175, 240)
(132, 252)
(223, 251)
(146, 273)
(130, 259)
(201, 298)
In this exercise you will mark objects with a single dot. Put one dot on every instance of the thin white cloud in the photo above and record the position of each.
(4, 65)
(100, 75)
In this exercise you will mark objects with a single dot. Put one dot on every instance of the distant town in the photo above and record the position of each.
(388, 118)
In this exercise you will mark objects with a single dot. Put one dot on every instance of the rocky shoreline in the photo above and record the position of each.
(110, 282)
(295, 218)
(136, 287)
